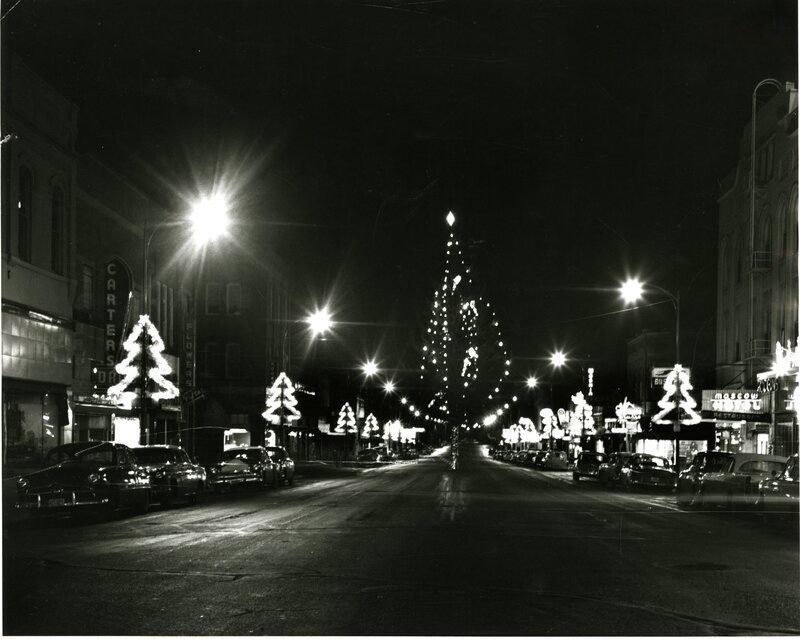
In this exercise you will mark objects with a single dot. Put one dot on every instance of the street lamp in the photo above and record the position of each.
(207, 221)
(632, 290)
(319, 322)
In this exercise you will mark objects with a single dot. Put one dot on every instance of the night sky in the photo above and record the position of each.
(576, 141)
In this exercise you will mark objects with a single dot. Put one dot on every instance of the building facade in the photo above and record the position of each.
(757, 273)
(39, 283)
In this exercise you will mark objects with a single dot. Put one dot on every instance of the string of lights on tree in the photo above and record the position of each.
(281, 402)
(144, 341)
(346, 423)
(677, 381)
(464, 358)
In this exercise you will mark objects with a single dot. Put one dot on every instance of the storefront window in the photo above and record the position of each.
(32, 426)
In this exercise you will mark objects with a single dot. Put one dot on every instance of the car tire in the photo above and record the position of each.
(197, 495)
(698, 497)
(576, 476)
(168, 499)
(144, 506)
(290, 479)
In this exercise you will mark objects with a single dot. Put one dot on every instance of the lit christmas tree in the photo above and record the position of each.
(371, 427)
(347, 420)
(465, 361)
(281, 402)
(677, 381)
(144, 347)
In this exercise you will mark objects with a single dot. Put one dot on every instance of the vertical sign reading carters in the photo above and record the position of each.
(116, 306)
(117, 299)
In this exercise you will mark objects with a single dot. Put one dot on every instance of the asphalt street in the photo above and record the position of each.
(414, 548)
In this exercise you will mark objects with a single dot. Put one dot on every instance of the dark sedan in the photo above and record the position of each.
(173, 476)
(781, 492)
(608, 473)
(283, 463)
(689, 482)
(588, 465)
(83, 477)
(244, 465)
(647, 471)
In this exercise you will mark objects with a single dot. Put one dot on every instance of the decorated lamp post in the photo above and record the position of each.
(677, 399)
(146, 365)
(281, 405)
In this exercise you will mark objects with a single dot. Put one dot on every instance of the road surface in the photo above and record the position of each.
(409, 549)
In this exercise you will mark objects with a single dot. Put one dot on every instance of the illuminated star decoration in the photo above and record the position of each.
(678, 376)
(464, 357)
(281, 402)
(144, 332)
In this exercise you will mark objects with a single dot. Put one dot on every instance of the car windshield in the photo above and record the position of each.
(87, 452)
(654, 462)
(761, 467)
(714, 463)
(152, 456)
(596, 458)
(276, 453)
(248, 455)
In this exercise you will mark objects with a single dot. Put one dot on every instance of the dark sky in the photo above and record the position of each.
(577, 141)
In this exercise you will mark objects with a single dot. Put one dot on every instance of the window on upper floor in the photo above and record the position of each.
(232, 360)
(57, 231)
(212, 360)
(213, 299)
(87, 286)
(25, 215)
(233, 298)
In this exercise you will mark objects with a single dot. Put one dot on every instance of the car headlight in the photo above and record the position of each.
(158, 474)
(22, 483)
(96, 478)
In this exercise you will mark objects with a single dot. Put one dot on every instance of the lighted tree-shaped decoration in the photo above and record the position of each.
(465, 362)
(347, 420)
(144, 347)
(281, 402)
(676, 398)
(371, 427)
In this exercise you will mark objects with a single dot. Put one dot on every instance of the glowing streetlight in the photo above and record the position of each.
(632, 290)
(370, 368)
(558, 359)
(532, 381)
(319, 322)
(389, 387)
(209, 218)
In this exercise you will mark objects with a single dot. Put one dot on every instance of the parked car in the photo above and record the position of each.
(735, 485)
(244, 465)
(647, 471)
(556, 460)
(527, 457)
(687, 485)
(539, 459)
(375, 454)
(284, 464)
(85, 476)
(780, 493)
(588, 465)
(608, 473)
(173, 476)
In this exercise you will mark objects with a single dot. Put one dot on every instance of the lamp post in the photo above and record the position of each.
(632, 290)
(369, 368)
(207, 221)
